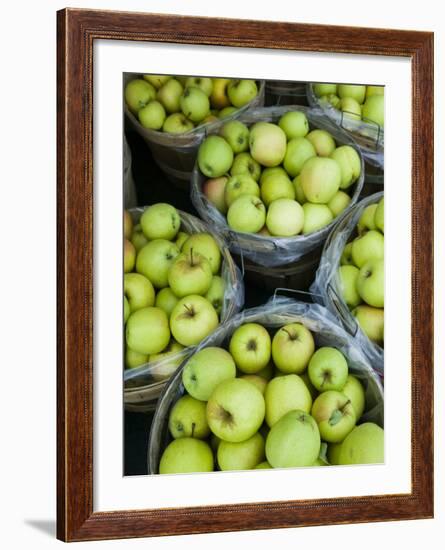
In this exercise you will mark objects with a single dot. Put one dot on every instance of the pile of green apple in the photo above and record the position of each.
(271, 400)
(173, 289)
(362, 273)
(277, 180)
(177, 104)
(357, 102)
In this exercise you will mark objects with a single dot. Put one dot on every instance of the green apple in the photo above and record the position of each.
(215, 294)
(250, 347)
(334, 414)
(293, 441)
(169, 94)
(355, 91)
(374, 90)
(205, 370)
(194, 104)
(245, 164)
(138, 239)
(241, 92)
(320, 179)
(147, 330)
(366, 221)
(333, 99)
(128, 225)
(192, 320)
(346, 257)
(292, 347)
(203, 83)
(213, 189)
(129, 256)
(139, 291)
(364, 445)
(236, 134)
(166, 362)
(152, 116)
(181, 237)
(328, 369)
(240, 185)
(235, 410)
(285, 218)
(227, 112)
(247, 214)
(294, 124)
(277, 186)
(138, 93)
(322, 142)
(156, 80)
(351, 108)
(190, 273)
(219, 98)
(371, 283)
(369, 246)
(275, 171)
(371, 321)
(324, 89)
(339, 202)
(134, 359)
(186, 455)
(347, 279)
(379, 216)
(215, 157)
(244, 455)
(188, 418)
(155, 259)
(256, 380)
(374, 109)
(299, 193)
(267, 143)
(333, 453)
(126, 309)
(263, 466)
(166, 299)
(298, 151)
(160, 221)
(283, 394)
(355, 392)
(177, 123)
(204, 244)
(316, 216)
(350, 165)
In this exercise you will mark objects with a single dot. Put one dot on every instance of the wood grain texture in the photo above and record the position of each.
(77, 30)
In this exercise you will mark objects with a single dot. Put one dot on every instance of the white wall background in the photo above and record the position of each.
(28, 130)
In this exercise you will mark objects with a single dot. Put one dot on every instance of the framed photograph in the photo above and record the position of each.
(220, 202)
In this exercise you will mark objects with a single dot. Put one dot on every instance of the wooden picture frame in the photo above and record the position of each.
(77, 30)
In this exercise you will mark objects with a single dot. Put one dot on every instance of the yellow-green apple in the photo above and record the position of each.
(129, 256)
(374, 90)
(147, 330)
(339, 202)
(240, 185)
(155, 259)
(292, 347)
(351, 108)
(215, 157)
(350, 165)
(192, 320)
(181, 237)
(205, 370)
(128, 225)
(152, 115)
(293, 441)
(320, 179)
(126, 309)
(316, 216)
(241, 92)
(164, 364)
(374, 109)
(328, 369)
(204, 244)
(299, 193)
(194, 104)
(298, 151)
(227, 112)
(169, 94)
(283, 394)
(355, 91)
(354, 391)
(371, 321)
(366, 221)
(244, 455)
(263, 466)
(250, 347)
(285, 218)
(156, 80)
(236, 134)
(272, 171)
(138, 239)
(134, 359)
(333, 99)
(371, 283)
(177, 123)
(294, 124)
(324, 89)
(334, 414)
(245, 164)
(247, 214)
(166, 299)
(369, 246)
(203, 83)
(188, 418)
(139, 291)
(213, 189)
(379, 215)
(138, 93)
(215, 294)
(322, 142)
(235, 410)
(346, 257)
(186, 455)
(364, 445)
(160, 221)
(267, 143)
(277, 186)
(256, 380)
(347, 279)
(190, 273)
(219, 98)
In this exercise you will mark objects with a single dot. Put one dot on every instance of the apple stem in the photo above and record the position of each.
(191, 257)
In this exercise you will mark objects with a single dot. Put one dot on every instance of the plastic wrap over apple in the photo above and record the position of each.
(144, 383)
(278, 197)
(358, 109)
(350, 277)
(276, 314)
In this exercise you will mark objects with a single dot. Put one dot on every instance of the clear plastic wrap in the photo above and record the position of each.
(285, 92)
(274, 251)
(130, 199)
(277, 312)
(175, 154)
(369, 135)
(325, 287)
(144, 384)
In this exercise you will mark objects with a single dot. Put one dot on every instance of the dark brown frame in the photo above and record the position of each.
(77, 30)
